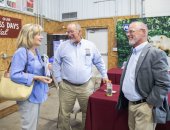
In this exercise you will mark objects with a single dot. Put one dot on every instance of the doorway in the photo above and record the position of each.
(99, 36)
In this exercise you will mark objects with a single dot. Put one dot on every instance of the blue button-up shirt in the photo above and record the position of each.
(34, 66)
(128, 87)
(73, 62)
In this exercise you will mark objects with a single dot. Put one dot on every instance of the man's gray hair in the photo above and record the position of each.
(77, 25)
(141, 25)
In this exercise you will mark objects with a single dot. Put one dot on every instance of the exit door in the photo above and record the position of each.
(99, 37)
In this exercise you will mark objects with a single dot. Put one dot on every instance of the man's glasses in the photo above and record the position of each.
(70, 32)
(133, 31)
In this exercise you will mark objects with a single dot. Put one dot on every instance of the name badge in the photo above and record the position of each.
(87, 51)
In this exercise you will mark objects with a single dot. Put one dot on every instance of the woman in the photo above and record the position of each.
(27, 67)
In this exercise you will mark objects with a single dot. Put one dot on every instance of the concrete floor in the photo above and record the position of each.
(48, 114)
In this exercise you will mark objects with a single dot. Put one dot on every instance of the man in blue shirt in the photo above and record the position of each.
(72, 68)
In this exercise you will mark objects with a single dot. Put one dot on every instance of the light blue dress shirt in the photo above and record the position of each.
(73, 62)
(34, 67)
(128, 87)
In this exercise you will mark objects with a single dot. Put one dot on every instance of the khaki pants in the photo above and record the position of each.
(140, 117)
(67, 97)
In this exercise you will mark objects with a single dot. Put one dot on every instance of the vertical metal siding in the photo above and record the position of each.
(88, 9)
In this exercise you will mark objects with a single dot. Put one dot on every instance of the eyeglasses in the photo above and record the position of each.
(133, 31)
(70, 32)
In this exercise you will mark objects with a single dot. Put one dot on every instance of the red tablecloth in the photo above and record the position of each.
(114, 75)
(102, 115)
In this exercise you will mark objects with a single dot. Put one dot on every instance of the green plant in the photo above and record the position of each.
(156, 26)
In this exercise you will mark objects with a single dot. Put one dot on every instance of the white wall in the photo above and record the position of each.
(88, 9)
(50, 9)
(157, 8)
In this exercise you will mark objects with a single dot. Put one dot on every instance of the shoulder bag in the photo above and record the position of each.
(10, 90)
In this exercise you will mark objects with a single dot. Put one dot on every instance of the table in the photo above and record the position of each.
(102, 115)
(101, 112)
(114, 75)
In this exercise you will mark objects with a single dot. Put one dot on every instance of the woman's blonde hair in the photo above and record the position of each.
(27, 34)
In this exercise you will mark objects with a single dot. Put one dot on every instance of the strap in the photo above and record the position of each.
(9, 67)
(26, 65)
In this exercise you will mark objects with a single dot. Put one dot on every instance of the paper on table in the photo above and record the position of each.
(112, 91)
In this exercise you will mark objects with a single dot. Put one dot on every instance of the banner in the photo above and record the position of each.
(159, 35)
(30, 5)
(11, 3)
(2, 2)
(9, 27)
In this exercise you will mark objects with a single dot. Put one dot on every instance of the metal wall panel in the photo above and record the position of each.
(88, 9)
(157, 8)
(50, 9)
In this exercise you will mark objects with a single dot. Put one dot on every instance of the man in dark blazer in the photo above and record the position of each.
(144, 82)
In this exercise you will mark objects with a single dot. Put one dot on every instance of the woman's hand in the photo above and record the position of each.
(43, 79)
